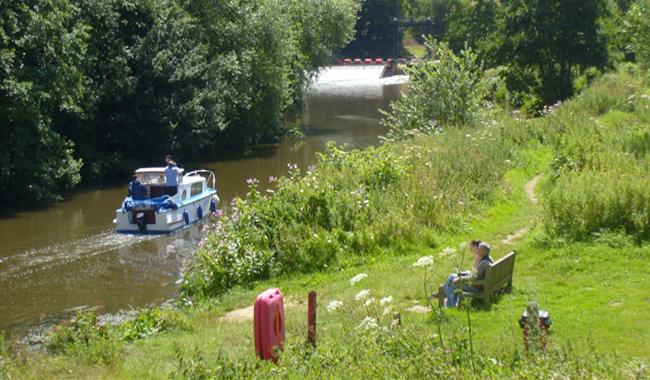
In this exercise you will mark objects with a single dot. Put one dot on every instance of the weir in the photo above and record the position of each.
(354, 80)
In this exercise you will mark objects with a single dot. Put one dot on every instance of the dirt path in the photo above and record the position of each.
(246, 313)
(529, 188)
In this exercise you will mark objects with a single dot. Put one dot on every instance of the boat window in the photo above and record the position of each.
(197, 188)
(184, 195)
(152, 178)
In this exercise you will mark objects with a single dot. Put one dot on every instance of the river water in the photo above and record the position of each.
(65, 258)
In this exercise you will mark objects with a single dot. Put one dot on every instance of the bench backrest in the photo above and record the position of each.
(499, 272)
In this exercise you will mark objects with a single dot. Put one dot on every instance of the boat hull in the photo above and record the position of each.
(165, 221)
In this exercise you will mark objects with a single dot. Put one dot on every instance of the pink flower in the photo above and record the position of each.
(272, 179)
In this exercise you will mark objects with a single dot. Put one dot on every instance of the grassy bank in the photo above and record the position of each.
(377, 212)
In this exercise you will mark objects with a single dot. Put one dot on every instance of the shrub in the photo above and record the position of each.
(445, 90)
(86, 339)
(148, 322)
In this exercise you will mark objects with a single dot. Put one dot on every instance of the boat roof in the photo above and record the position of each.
(159, 169)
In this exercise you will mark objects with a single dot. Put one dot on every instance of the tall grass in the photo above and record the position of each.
(404, 353)
(601, 168)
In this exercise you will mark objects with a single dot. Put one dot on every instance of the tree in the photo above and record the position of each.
(41, 53)
(548, 41)
(375, 36)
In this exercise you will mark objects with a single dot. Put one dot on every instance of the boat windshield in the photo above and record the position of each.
(152, 178)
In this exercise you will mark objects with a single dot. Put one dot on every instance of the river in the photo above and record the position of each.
(66, 257)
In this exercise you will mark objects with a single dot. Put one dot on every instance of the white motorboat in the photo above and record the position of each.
(154, 208)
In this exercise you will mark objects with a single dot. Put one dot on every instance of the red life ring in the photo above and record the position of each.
(269, 324)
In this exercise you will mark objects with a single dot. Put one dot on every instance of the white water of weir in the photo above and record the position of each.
(361, 80)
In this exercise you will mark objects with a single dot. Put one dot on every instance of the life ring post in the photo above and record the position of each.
(311, 319)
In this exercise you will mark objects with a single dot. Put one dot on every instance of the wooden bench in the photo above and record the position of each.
(498, 276)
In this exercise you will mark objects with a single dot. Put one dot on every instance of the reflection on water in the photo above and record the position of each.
(67, 257)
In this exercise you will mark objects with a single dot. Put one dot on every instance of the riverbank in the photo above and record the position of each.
(418, 197)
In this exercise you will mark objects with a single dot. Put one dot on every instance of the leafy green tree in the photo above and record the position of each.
(551, 40)
(639, 26)
(375, 36)
(41, 52)
(474, 25)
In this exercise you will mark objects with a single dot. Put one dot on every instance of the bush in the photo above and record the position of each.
(148, 322)
(445, 90)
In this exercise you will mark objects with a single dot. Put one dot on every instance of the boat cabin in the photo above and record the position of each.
(153, 180)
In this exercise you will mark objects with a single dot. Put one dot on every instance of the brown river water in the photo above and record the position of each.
(66, 257)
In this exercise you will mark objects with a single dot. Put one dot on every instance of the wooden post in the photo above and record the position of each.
(311, 319)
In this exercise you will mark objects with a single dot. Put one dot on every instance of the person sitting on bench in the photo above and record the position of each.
(457, 283)
(171, 178)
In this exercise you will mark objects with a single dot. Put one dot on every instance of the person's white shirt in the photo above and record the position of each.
(171, 176)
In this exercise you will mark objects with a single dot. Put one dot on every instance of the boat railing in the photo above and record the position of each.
(211, 178)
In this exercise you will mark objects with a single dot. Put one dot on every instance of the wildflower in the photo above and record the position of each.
(333, 305)
(448, 252)
(369, 301)
(272, 179)
(387, 310)
(311, 168)
(368, 323)
(218, 213)
(424, 261)
(235, 217)
(252, 181)
(386, 300)
(362, 295)
(291, 166)
(358, 278)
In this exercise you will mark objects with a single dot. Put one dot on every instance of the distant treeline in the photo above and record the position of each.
(539, 48)
(92, 88)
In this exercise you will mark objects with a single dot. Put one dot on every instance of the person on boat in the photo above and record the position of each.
(171, 177)
(136, 190)
(458, 283)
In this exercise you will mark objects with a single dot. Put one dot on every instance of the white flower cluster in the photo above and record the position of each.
(448, 252)
(368, 323)
(358, 278)
(362, 295)
(334, 305)
(424, 261)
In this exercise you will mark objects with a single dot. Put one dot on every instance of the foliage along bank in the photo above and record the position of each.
(91, 89)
